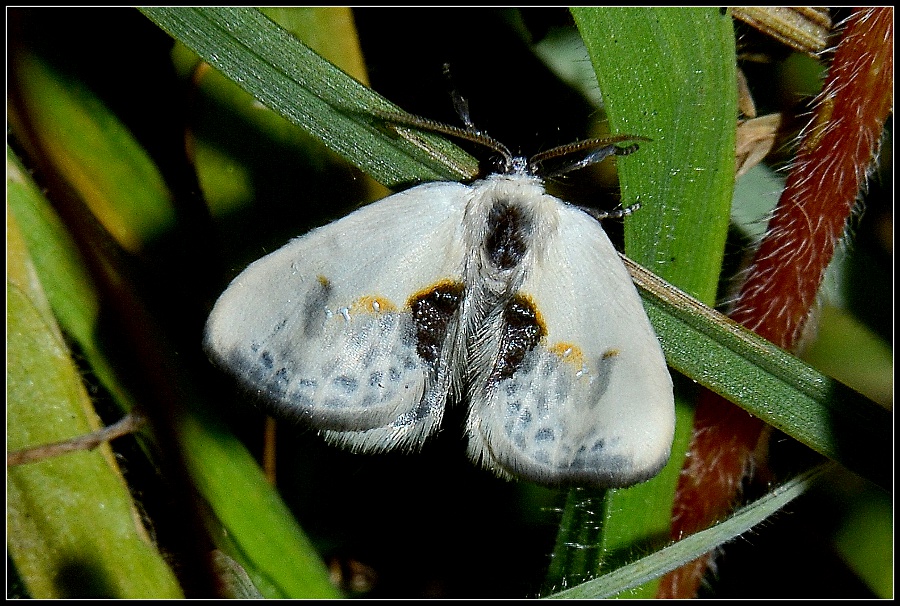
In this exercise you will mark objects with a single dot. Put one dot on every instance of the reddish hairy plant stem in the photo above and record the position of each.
(775, 301)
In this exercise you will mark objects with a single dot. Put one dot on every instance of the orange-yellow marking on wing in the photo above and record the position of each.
(372, 304)
(538, 317)
(570, 353)
(439, 286)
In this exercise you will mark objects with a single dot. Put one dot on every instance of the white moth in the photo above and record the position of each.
(495, 294)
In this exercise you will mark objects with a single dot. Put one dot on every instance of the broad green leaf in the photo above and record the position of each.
(329, 31)
(72, 528)
(69, 286)
(116, 179)
(76, 301)
(260, 530)
(667, 74)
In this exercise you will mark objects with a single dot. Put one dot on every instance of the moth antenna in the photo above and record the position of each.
(618, 213)
(469, 134)
(607, 147)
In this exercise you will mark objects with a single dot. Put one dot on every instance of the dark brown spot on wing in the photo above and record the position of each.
(522, 330)
(432, 311)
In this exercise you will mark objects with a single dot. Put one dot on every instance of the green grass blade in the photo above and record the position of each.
(292, 80)
(691, 547)
(769, 382)
(72, 528)
(667, 74)
(260, 530)
(81, 127)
